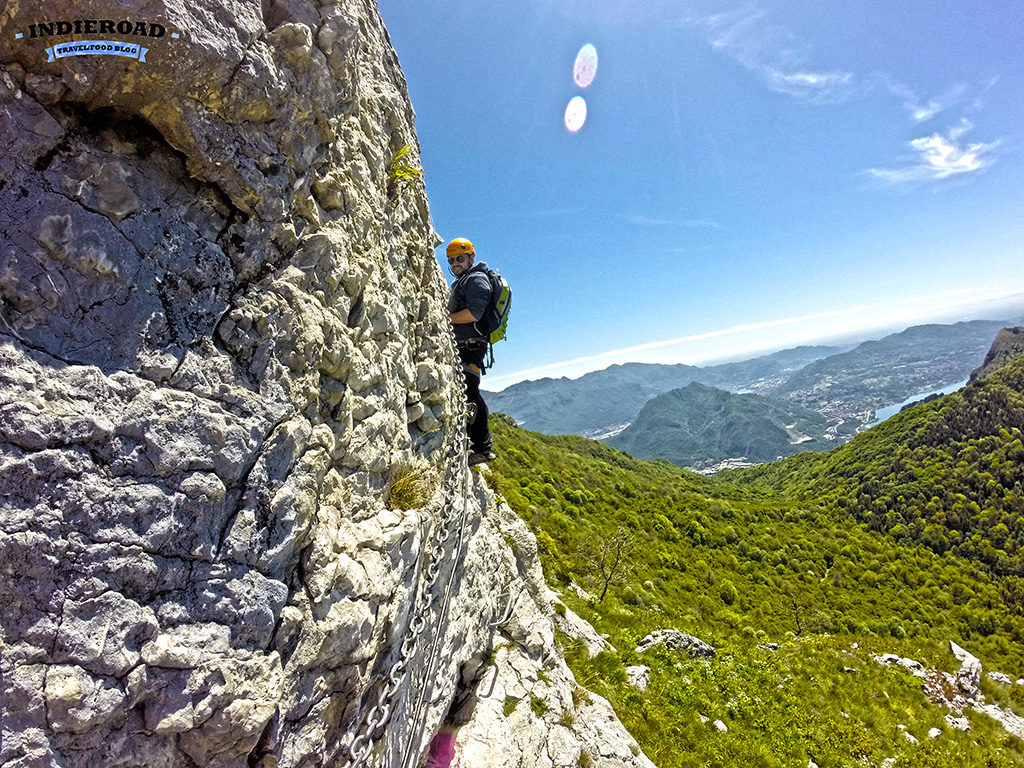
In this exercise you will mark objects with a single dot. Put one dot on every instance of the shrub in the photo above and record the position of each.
(727, 591)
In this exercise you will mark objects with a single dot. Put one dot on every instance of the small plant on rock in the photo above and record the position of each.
(411, 486)
(402, 171)
(538, 705)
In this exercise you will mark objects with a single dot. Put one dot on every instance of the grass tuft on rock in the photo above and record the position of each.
(411, 486)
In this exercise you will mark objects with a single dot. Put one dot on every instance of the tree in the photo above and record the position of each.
(610, 557)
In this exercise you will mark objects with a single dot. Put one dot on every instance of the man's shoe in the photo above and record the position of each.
(479, 458)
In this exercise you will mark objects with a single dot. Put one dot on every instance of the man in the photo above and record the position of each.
(470, 297)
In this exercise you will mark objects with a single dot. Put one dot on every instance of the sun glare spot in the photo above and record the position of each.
(585, 68)
(576, 114)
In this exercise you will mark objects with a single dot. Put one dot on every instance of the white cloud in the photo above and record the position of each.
(773, 53)
(815, 86)
(937, 157)
(921, 110)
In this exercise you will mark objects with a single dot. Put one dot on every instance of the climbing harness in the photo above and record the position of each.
(361, 744)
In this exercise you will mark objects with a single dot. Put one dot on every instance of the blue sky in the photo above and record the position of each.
(750, 175)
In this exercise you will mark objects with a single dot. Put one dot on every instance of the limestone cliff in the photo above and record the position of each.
(1008, 344)
(222, 337)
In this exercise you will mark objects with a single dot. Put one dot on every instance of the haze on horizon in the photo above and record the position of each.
(746, 177)
(849, 326)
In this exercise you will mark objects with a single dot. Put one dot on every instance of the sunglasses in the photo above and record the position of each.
(457, 259)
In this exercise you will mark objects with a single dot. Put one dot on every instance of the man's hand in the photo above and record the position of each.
(462, 316)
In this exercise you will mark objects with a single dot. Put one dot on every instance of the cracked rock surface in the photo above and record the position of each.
(222, 334)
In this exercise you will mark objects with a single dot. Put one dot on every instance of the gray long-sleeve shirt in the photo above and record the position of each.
(472, 291)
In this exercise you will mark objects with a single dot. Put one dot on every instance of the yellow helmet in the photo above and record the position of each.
(460, 245)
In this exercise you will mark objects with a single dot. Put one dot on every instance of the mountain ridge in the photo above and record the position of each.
(602, 400)
(844, 384)
(699, 426)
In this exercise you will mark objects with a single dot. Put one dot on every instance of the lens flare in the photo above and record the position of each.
(576, 114)
(585, 68)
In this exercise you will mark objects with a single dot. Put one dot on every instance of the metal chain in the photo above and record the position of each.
(362, 743)
(433, 655)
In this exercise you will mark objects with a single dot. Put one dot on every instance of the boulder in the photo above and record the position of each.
(638, 676)
(968, 678)
(959, 723)
(916, 668)
(677, 641)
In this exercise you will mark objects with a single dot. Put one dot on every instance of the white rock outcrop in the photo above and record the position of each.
(222, 335)
(638, 676)
(916, 668)
(968, 678)
(678, 641)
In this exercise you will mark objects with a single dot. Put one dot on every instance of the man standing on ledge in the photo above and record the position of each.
(469, 301)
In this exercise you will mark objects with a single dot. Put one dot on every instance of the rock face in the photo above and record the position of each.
(1008, 344)
(222, 335)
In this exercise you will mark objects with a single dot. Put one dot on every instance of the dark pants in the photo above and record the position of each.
(472, 356)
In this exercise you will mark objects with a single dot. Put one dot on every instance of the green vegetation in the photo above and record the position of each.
(401, 171)
(836, 557)
(699, 426)
(411, 486)
(948, 475)
(509, 706)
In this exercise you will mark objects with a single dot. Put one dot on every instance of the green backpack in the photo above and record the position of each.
(498, 309)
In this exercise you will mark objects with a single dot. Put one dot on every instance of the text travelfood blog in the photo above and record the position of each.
(93, 26)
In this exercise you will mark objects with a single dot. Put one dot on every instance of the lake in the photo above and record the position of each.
(890, 410)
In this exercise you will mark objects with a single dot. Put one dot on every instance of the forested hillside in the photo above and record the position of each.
(948, 474)
(900, 541)
(699, 426)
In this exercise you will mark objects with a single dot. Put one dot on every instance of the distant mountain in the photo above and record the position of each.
(697, 426)
(850, 385)
(591, 404)
(599, 402)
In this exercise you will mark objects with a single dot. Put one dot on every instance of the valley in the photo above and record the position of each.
(801, 573)
(844, 387)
